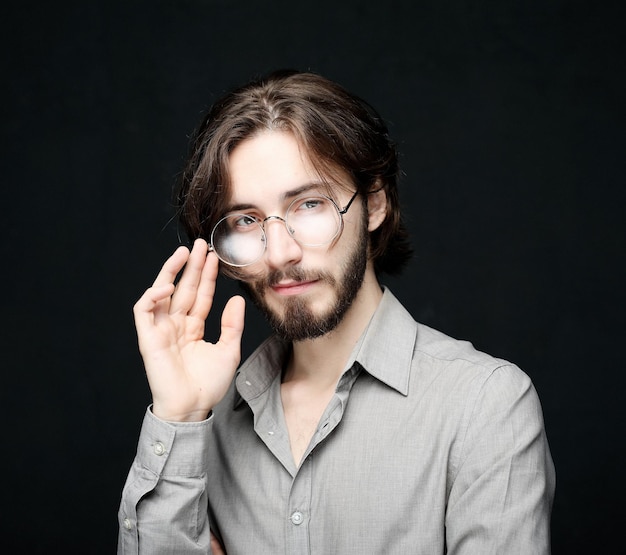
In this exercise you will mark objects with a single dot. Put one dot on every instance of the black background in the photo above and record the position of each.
(510, 120)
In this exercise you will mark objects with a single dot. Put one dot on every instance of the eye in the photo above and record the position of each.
(241, 222)
(310, 204)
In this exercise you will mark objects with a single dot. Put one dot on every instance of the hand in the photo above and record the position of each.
(187, 375)
(216, 546)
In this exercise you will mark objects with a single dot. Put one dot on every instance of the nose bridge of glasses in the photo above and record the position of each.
(270, 218)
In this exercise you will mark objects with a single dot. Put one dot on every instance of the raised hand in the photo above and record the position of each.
(188, 376)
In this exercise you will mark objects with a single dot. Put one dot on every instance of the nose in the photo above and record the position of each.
(281, 248)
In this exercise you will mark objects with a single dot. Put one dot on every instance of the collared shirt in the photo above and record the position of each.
(427, 447)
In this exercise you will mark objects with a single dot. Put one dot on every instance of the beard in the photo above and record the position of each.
(298, 321)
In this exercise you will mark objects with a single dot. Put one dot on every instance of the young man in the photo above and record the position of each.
(353, 429)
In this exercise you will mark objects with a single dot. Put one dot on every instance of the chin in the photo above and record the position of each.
(305, 316)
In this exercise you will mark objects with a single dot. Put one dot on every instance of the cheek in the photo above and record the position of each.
(247, 274)
(329, 259)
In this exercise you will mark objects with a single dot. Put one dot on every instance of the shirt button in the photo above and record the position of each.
(127, 524)
(297, 518)
(159, 448)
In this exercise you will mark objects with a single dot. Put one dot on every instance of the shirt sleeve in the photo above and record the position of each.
(501, 497)
(164, 504)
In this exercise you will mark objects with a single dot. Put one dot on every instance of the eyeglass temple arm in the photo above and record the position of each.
(347, 207)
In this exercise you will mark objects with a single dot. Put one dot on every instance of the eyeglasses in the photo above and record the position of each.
(312, 220)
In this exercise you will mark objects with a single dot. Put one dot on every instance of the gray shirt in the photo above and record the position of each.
(428, 445)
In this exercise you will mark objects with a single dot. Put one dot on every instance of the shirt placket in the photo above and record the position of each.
(268, 426)
(298, 511)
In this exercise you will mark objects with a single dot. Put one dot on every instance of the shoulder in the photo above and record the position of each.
(479, 388)
(437, 353)
(475, 386)
(417, 358)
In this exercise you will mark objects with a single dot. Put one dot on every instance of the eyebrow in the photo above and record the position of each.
(287, 195)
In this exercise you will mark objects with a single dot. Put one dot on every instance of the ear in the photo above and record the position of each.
(377, 208)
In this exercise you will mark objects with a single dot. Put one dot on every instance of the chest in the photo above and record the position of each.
(303, 410)
(366, 467)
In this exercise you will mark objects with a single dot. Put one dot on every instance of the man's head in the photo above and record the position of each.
(339, 133)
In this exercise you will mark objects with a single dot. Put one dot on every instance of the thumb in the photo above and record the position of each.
(233, 322)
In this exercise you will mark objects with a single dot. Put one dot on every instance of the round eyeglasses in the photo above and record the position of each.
(239, 239)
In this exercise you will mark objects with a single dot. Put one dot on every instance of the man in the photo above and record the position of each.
(353, 429)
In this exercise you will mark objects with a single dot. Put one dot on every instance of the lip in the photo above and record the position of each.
(293, 287)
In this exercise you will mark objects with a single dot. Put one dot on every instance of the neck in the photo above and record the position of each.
(320, 361)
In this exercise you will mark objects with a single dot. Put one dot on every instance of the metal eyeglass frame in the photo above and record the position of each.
(261, 224)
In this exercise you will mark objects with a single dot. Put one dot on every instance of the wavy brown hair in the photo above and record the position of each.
(339, 132)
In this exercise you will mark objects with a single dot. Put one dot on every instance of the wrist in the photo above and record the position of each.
(170, 415)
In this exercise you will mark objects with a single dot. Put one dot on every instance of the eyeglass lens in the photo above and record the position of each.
(239, 239)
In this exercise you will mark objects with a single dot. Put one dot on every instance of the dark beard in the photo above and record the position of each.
(298, 321)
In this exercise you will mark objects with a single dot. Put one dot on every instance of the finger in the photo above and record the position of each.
(187, 287)
(172, 266)
(146, 307)
(206, 288)
(233, 322)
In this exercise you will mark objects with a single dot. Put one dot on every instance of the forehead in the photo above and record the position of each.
(272, 165)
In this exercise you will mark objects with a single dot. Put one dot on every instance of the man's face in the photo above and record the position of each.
(303, 291)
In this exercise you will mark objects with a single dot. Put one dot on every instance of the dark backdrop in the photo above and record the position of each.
(509, 118)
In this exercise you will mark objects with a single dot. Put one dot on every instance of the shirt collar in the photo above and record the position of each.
(385, 351)
(258, 372)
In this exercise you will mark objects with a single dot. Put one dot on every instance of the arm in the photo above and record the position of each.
(501, 496)
(164, 505)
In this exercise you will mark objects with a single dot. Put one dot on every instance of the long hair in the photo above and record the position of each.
(337, 130)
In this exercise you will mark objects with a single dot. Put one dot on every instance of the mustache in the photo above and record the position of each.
(261, 282)
(295, 273)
